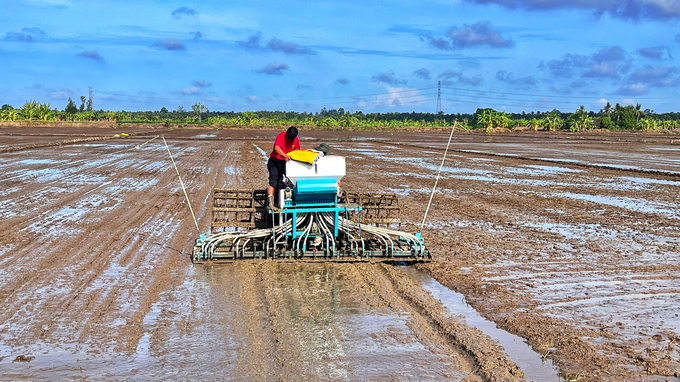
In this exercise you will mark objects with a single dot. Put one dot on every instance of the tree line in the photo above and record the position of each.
(617, 117)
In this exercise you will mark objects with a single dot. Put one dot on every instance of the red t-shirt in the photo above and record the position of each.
(286, 145)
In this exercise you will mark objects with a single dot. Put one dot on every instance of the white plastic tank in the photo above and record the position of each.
(331, 166)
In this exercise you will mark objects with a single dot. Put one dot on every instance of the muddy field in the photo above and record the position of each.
(555, 257)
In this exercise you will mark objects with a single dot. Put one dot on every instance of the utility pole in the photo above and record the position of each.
(439, 97)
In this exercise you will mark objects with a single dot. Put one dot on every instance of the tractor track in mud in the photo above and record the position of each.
(96, 281)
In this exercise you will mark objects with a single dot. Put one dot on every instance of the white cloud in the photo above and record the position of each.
(62, 94)
(109, 97)
(191, 90)
(397, 96)
(628, 101)
(58, 95)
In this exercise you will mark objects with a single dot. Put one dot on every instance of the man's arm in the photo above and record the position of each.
(279, 151)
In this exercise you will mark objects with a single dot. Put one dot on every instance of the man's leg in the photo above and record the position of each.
(273, 180)
(270, 198)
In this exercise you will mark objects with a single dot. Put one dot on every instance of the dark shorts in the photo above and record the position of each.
(277, 169)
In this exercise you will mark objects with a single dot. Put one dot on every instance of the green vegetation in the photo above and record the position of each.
(618, 117)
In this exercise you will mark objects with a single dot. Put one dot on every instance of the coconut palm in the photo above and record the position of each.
(638, 113)
(618, 111)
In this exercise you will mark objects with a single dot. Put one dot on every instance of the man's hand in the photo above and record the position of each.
(287, 157)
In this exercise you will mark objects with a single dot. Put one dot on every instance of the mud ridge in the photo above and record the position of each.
(52, 144)
(489, 356)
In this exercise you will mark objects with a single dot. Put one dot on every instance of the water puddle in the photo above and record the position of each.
(631, 204)
(483, 160)
(264, 153)
(531, 363)
(559, 160)
(651, 181)
(541, 170)
(27, 162)
(405, 191)
(617, 166)
(345, 339)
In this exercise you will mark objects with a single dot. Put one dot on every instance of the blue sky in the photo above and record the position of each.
(514, 55)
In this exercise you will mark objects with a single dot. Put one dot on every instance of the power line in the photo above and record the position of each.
(360, 100)
(401, 94)
(489, 104)
(520, 100)
(531, 95)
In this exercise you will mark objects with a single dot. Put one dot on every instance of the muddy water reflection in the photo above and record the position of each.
(516, 349)
(327, 316)
(345, 332)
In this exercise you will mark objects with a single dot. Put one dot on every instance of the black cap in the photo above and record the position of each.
(291, 133)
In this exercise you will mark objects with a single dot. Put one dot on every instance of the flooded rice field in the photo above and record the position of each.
(543, 269)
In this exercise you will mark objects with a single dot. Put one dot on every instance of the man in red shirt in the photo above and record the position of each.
(285, 143)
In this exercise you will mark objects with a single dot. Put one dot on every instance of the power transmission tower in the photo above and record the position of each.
(439, 97)
(89, 100)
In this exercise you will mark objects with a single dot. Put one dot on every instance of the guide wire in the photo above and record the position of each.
(437, 180)
(182, 183)
(150, 140)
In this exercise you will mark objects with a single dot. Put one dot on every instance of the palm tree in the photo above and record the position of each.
(618, 110)
(607, 109)
(638, 113)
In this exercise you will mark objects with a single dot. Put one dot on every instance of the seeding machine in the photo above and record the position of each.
(314, 220)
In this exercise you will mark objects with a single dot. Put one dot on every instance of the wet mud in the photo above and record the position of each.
(579, 262)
